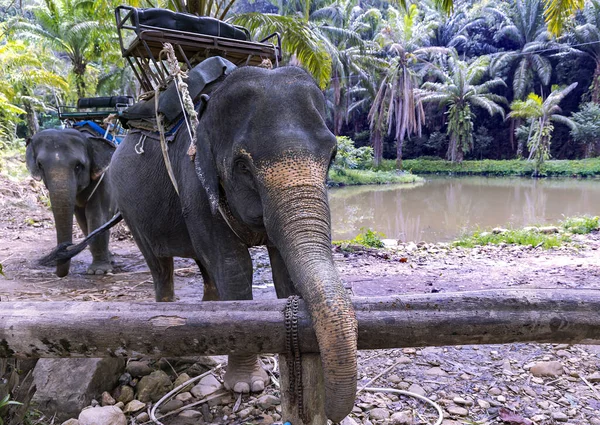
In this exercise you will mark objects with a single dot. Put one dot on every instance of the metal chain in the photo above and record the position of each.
(292, 341)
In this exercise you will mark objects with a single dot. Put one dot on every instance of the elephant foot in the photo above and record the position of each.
(99, 268)
(244, 374)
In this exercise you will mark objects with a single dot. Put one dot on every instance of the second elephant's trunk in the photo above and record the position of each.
(62, 198)
(297, 219)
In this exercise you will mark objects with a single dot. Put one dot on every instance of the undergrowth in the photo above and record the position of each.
(554, 168)
(348, 177)
(532, 236)
(366, 237)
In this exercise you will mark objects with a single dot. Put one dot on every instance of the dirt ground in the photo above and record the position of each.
(474, 384)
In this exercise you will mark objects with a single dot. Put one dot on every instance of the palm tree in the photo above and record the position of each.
(461, 90)
(26, 74)
(402, 38)
(541, 115)
(69, 28)
(587, 37)
(527, 30)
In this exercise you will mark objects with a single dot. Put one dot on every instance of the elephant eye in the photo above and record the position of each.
(39, 165)
(78, 168)
(242, 167)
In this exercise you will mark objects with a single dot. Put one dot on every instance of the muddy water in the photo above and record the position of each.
(441, 209)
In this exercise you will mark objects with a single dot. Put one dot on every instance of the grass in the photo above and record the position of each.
(487, 167)
(348, 177)
(532, 236)
(366, 237)
(12, 162)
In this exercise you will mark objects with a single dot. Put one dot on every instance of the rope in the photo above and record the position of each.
(97, 184)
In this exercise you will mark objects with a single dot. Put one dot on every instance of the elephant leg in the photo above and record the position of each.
(81, 220)
(231, 279)
(284, 287)
(162, 275)
(210, 289)
(101, 258)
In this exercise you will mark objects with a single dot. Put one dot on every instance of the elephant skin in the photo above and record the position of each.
(71, 164)
(258, 178)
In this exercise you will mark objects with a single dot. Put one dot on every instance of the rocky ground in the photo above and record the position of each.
(503, 384)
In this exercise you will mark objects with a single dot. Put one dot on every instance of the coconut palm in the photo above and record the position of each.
(403, 39)
(541, 115)
(461, 91)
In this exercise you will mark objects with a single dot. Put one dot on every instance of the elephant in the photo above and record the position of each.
(262, 154)
(72, 165)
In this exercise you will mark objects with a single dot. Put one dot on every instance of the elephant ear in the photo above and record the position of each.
(101, 152)
(31, 161)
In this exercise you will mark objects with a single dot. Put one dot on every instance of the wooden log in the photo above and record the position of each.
(313, 394)
(103, 329)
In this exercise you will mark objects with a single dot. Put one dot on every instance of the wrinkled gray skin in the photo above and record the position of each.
(263, 151)
(70, 164)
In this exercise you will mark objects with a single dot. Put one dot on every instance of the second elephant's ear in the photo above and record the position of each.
(31, 161)
(100, 151)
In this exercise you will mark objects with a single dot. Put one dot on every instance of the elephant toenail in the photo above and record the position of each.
(258, 386)
(241, 387)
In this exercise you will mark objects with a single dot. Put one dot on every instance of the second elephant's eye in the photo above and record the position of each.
(78, 168)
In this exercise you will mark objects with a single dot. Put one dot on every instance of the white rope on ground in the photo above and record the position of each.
(410, 394)
(152, 412)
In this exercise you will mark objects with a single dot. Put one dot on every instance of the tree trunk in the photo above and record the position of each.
(399, 146)
(377, 142)
(32, 120)
(595, 89)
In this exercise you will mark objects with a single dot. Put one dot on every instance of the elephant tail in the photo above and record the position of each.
(66, 250)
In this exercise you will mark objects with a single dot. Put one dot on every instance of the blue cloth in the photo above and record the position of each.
(99, 130)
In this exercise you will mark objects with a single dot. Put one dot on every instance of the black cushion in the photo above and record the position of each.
(163, 18)
(103, 102)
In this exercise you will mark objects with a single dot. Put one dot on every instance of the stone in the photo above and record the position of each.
(139, 368)
(207, 386)
(134, 406)
(417, 389)
(65, 386)
(71, 422)
(171, 405)
(483, 404)
(501, 399)
(142, 417)
(124, 394)
(394, 379)
(553, 369)
(560, 417)
(549, 229)
(594, 377)
(190, 414)
(462, 401)
(457, 411)
(499, 230)
(401, 418)
(379, 414)
(243, 414)
(107, 399)
(182, 378)
(106, 415)
(435, 371)
(185, 397)
(265, 420)
(152, 387)
(267, 401)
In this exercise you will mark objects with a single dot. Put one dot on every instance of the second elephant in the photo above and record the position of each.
(72, 165)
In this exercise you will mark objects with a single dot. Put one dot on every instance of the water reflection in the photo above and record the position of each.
(443, 208)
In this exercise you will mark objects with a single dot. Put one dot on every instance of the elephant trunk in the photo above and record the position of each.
(62, 198)
(298, 223)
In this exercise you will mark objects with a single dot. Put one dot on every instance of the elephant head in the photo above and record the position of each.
(264, 147)
(70, 163)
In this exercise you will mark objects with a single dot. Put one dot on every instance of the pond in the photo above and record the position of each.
(442, 209)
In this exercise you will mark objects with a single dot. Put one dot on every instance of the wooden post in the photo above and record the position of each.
(313, 397)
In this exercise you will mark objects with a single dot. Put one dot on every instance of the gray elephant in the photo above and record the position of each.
(72, 165)
(259, 178)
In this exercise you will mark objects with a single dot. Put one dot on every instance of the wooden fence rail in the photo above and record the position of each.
(102, 329)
